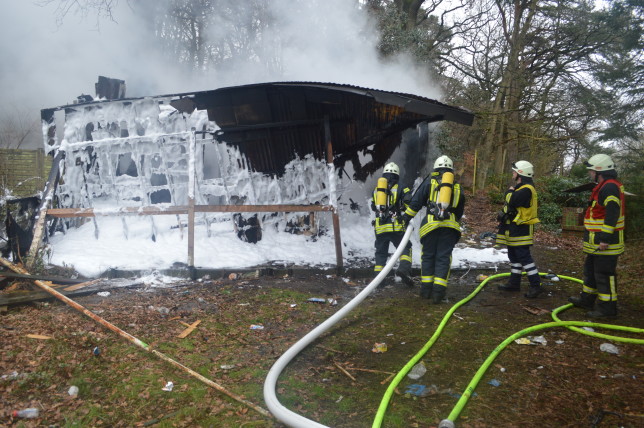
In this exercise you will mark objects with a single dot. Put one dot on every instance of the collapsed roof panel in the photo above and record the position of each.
(272, 122)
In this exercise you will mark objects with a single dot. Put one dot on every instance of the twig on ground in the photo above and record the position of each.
(345, 372)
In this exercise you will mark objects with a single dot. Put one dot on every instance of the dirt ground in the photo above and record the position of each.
(339, 380)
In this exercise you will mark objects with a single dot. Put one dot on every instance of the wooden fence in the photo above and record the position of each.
(24, 172)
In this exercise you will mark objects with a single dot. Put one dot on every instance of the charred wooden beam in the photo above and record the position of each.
(150, 210)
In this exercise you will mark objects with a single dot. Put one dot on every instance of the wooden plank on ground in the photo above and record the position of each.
(54, 279)
(81, 285)
(25, 296)
(38, 336)
(189, 330)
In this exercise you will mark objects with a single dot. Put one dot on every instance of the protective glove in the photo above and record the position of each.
(405, 219)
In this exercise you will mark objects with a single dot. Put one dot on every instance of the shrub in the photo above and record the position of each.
(551, 190)
(550, 215)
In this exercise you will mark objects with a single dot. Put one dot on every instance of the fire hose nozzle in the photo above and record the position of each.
(446, 423)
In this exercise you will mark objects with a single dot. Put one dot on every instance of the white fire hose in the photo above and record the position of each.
(280, 412)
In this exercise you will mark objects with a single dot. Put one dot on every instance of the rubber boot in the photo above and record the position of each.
(384, 281)
(438, 294)
(534, 291)
(584, 300)
(604, 310)
(509, 287)
(426, 291)
(406, 278)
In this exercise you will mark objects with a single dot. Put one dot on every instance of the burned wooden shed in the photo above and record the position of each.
(164, 155)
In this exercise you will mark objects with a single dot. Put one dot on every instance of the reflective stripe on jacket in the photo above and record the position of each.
(527, 215)
(597, 230)
(430, 222)
(519, 229)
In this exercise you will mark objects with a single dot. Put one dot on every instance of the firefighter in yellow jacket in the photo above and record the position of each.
(388, 202)
(440, 229)
(603, 239)
(516, 229)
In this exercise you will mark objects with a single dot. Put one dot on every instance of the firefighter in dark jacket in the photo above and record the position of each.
(603, 239)
(440, 229)
(516, 229)
(388, 202)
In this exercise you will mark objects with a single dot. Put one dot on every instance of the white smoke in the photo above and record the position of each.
(317, 40)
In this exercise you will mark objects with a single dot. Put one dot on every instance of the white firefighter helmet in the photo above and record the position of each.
(523, 168)
(443, 162)
(600, 163)
(391, 167)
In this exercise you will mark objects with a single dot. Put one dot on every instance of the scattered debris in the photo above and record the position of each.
(13, 376)
(168, 387)
(494, 382)
(345, 372)
(38, 336)
(532, 340)
(419, 390)
(316, 300)
(189, 330)
(597, 419)
(379, 348)
(609, 347)
(534, 310)
(81, 285)
(388, 379)
(103, 293)
(29, 413)
(227, 366)
(369, 370)
(481, 277)
(256, 327)
(162, 309)
(73, 391)
(417, 371)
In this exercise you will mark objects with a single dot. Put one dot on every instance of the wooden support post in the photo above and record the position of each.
(333, 196)
(41, 220)
(191, 202)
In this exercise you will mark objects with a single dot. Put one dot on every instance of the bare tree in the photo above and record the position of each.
(18, 127)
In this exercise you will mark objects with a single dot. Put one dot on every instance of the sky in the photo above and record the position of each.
(47, 65)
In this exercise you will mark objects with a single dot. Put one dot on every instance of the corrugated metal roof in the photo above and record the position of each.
(272, 123)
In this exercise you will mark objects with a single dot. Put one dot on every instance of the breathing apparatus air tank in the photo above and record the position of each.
(381, 195)
(445, 194)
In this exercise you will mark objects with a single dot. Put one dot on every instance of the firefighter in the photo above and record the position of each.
(604, 222)
(440, 229)
(516, 229)
(388, 202)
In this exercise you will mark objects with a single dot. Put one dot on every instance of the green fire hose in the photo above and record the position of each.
(572, 325)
